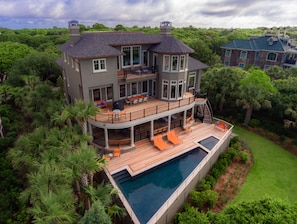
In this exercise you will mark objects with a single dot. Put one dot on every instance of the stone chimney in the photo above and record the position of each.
(74, 31)
(165, 28)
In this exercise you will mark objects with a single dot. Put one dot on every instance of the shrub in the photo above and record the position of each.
(191, 216)
(210, 180)
(243, 156)
(255, 123)
(233, 140)
(203, 185)
(204, 199)
(232, 152)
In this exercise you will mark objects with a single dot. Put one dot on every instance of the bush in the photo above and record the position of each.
(232, 152)
(255, 123)
(203, 185)
(191, 216)
(204, 199)
(234, 140)
(243, 156)
(210, 180)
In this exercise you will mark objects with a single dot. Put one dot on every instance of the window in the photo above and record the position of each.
(132, 55)
(99, 65)
(180, 89)
(271, 57)
(122, 90)
(256, 55)
(174, 63)
(145, 86)
(227, 63)
(103, 93)
(182, 63)
(192, 80)
(266, 67)
(243, 54)
(134, 89)
(228, 53)
(165, 89)
(241, 65)
(173, 89)
(166, 63)
(145, 58)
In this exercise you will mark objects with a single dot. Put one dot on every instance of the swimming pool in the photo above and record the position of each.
(209, 142)
(148, 191)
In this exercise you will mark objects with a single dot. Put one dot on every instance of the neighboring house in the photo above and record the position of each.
(262, 51)
(114, 67)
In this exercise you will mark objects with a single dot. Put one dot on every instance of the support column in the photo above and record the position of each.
(132, 136)
(185, 118)
(169, 122)
(106, 138)
(152, 131)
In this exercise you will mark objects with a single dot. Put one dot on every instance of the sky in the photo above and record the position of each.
(17, 14)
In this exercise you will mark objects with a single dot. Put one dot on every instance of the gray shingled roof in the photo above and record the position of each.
(194, 64)
(102, 44)
(171, 45)
(256, 44)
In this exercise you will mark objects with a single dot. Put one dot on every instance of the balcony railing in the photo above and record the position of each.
(151, 108)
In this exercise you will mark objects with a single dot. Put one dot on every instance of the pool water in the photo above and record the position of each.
(209, 142)
(148, 191)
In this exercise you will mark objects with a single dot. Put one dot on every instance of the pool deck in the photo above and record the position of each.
(146, 155)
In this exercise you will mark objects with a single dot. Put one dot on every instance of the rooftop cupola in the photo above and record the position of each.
(73, 27)
(165, 28)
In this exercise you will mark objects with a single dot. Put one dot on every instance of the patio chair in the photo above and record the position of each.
(107, 158)
(145, 99)
(123, 113)
(110, 114)
(144, 68)
(116, 152)
(171, 136)
(135, 101)
(159, 143)
(188, 129)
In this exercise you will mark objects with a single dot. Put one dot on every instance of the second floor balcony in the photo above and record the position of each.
(141, 110)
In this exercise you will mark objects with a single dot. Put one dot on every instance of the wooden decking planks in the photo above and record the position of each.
(146, 155)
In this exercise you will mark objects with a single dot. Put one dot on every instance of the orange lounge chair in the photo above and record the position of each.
(173, 138)
(107, 158)
(159, 143)
(221, 125)
(116, 152)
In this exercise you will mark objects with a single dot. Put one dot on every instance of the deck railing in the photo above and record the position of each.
(149, 111)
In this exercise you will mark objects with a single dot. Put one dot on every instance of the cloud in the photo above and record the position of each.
(202, 13)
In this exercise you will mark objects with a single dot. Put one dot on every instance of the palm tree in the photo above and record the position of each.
(106, 194)
(83, 162)
(256, 88)
(80, 112)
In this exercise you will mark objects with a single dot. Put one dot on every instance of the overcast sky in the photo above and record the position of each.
(17, 14)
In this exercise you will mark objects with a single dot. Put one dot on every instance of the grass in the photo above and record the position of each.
(274, 173)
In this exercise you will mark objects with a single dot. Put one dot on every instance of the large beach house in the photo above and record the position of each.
(147, 87)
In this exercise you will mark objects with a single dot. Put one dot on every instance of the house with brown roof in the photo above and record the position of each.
(145, 85)
(120, 69)
(271, 49)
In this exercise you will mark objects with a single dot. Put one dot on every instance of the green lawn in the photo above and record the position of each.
(274, 173)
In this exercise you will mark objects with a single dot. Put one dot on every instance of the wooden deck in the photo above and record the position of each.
(146, 155)
(143, 109)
